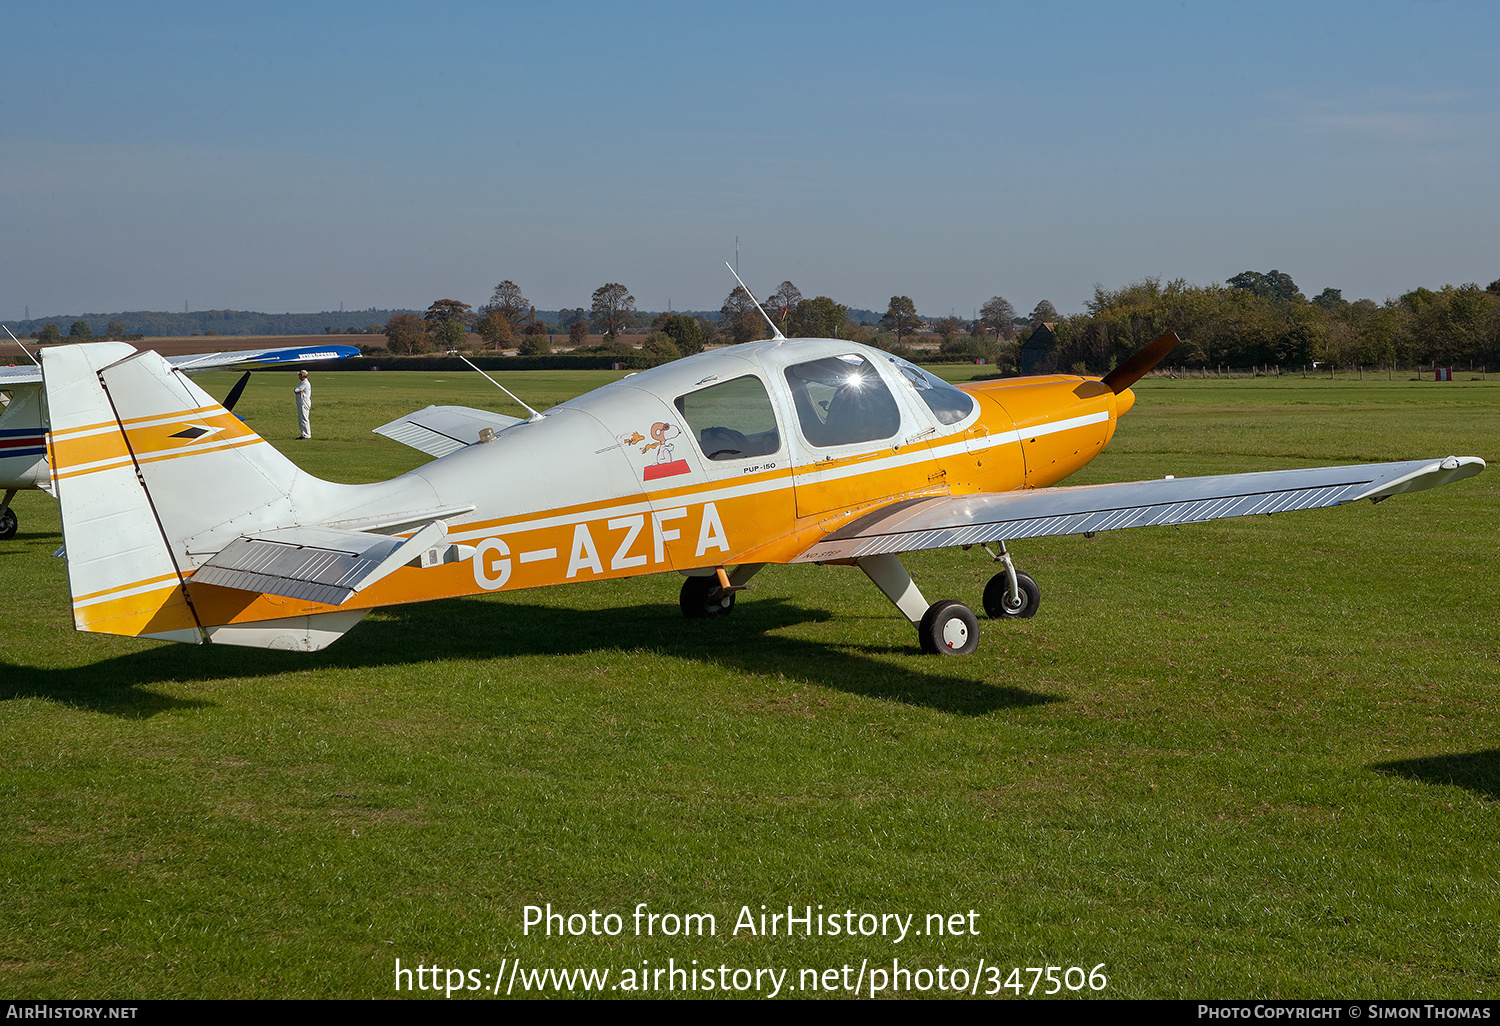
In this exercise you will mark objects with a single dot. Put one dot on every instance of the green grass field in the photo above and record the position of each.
(1249, 758)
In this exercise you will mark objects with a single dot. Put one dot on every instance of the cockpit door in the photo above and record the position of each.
(855, 441)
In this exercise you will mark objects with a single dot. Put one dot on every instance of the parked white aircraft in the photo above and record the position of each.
(181, 523)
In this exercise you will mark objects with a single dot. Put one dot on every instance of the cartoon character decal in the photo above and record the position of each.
(663, 465)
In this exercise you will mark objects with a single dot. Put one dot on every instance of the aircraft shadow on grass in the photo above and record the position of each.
(460, 629)
(1475, 771)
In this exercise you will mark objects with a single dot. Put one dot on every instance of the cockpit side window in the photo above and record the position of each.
(841, 400)
(732, 420)
(948, 404)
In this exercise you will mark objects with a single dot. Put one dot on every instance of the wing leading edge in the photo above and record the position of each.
(990, 517)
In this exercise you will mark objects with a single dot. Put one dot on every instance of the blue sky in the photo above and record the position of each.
(297, 156)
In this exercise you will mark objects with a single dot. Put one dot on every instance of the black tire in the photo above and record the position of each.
(8, 524)
(995, 595)
(949, 628)
(701, 598)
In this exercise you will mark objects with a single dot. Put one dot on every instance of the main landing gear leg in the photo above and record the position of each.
(945, 627)
(8, 521)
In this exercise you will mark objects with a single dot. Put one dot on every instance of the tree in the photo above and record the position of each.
(114, 329)
(740, 317)
(948, 327)
(50, 334)
(535, 342)
(685, 332)
(612, 306)
(819, 318)
(1272, 285)
(578, 333)
(1330, 299)
(508, 300)
(496, 330)
(661, 347)
(407, 333)
(445, 310)
(783, 301)
(901, 318)
(81, 331)
(451, 335)
(1044, 313)
(998, 314)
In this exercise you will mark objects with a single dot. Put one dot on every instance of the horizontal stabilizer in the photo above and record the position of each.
(1083, 509)
(315, 564)
(440, 430)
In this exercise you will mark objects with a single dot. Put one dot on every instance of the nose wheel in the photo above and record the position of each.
(999, 604)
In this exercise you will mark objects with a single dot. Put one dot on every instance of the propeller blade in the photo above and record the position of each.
(234, 393)
(1140, 363)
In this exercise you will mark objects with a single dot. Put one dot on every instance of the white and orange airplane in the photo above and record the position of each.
(181, 523)
(23, 418)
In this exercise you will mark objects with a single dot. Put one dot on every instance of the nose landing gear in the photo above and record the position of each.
(1010, 593)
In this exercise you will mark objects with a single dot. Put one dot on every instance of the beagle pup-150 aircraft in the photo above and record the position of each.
(23, 419)
(181, 523)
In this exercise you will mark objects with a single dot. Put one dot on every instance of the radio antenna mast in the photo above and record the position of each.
(23, 348)
(779, 337)
(535, 416)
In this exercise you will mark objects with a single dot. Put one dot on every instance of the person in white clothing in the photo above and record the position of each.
(303, 392)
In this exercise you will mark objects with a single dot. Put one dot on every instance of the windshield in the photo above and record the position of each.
(948, 404)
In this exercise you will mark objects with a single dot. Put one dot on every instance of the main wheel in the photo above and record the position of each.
(949, 628)
(8, 524)
(701, 597)
(997, 592)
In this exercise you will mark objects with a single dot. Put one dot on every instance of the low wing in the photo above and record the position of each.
(20, 376)
(273, 357)
(989, 517)
(439, 430)
(193, 363)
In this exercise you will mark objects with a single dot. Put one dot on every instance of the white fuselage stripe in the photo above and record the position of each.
(801, 474)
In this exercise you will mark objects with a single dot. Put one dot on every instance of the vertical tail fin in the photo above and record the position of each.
(153, 477)
(121, 572)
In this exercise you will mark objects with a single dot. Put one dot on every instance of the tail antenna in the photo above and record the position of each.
(535, 416)
(779, 337)
(23, 348)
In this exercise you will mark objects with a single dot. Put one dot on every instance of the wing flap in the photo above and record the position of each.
(1085, 509)
(317, 564)
(440, 430)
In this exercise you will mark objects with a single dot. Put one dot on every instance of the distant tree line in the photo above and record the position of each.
(208, 322)
(1256, 319)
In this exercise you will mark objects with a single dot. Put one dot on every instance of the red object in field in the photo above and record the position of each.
(1444, 374)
